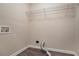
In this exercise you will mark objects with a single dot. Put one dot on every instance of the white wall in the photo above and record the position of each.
(13, 15)
(76, 47)
(57, 32)
(61, 33)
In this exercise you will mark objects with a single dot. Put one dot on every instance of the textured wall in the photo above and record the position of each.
(55, 27)
(14, 16)
(76, 46)
(58, 28)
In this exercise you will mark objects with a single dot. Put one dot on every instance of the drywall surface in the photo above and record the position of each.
(56, 29)
(13, 15)
(59, 30)
(76, 46)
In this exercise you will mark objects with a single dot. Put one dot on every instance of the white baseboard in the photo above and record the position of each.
(51, 49)
(19, 51)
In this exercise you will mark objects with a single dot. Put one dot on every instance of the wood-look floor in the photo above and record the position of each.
(37, 52)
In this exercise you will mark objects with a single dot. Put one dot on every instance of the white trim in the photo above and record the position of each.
(50, 49)
(19, 51)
